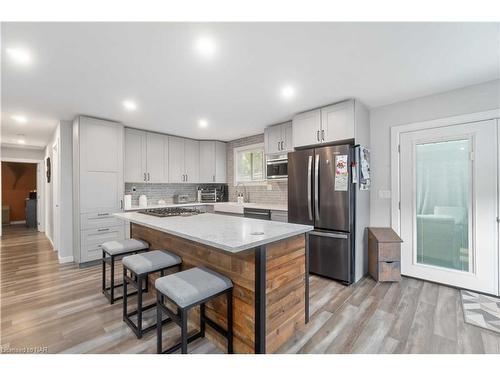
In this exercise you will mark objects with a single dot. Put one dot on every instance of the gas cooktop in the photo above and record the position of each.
(171, 211)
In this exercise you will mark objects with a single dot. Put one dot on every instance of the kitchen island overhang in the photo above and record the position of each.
(267, 262)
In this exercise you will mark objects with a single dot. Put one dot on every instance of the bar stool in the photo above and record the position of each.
(188, 289)
(114, 249)
(140, 266)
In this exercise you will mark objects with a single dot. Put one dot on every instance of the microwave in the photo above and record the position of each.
(277, 167)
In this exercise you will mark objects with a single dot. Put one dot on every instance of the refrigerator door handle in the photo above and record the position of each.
(331, 235)
(316, 187)
(309, 188)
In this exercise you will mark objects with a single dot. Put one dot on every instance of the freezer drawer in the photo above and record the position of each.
(330, 255)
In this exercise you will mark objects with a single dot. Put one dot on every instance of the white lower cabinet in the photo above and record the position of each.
(92, 240)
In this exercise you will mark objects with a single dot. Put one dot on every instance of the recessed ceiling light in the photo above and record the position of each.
(21, 139)
(206, 46)
(287, 92)
(19, 118)
(202, 123)
(19, 55)
(129, 105)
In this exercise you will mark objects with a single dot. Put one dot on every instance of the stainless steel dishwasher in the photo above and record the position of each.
(257, 213)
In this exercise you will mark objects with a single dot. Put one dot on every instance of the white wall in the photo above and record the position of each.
(477, 98)
(63, 132)
(22, 153)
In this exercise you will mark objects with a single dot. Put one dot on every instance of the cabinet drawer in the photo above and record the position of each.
(99, 220)
(390, 251)
(389, 271)
(279, 216)
(92, 239)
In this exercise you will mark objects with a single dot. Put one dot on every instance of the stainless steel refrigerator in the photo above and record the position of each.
(321, 193)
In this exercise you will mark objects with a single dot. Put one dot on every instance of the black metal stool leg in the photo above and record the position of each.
(112, 289)
(103, 271)
(230, 322)
(139, 306)
(184, 332)
(125, 299)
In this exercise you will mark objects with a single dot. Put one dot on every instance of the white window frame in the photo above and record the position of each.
(236, 150)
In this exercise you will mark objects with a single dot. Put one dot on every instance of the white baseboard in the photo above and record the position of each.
(66, 260)
(18, 222)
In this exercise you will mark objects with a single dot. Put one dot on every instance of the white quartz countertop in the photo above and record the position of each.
(230, 207)
(228, 233)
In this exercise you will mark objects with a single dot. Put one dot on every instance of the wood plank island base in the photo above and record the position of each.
(270, 277)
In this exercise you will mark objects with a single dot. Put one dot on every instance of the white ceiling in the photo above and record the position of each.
(90, 68)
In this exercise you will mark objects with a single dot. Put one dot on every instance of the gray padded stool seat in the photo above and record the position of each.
(192, 286)
(117, 249)
(186, 290)
(124, 246)
(136, 269)
(150, 261)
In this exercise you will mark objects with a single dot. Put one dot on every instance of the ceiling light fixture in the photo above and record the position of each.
(129, 105)
(202, 123)
(19, 55)
(19, 118)
(287, 92)
(21, 139)
(206, 46)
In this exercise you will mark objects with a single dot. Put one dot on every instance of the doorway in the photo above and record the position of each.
(449, 205)
(19, 194)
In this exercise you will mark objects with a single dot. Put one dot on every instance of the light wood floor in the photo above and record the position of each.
(61, 308)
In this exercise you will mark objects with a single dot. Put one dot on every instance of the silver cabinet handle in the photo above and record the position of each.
(317, 136)
(121, 204)
(103, 214)
(148, 177)
(186, 178)
(323, 135)
(331, 235)
(316, 187)
(213, 178)
(278, 146)
(256, 213)
(282, 145)
(144, 176)
(309, 183)
(103, 229)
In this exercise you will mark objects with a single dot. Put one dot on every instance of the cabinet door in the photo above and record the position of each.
(175, 160)
(207, 161)
(220, 162)
(101, 165)
(155, 152)
(192, 160)
(135, 155)
(287, 135)
(306, 128)
(337, 121)
(272, 139)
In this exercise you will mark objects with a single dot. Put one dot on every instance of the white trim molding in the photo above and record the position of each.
(65, 260)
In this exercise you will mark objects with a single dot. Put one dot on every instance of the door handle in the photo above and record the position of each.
(316, 187)
(309, 183)
(331, 235)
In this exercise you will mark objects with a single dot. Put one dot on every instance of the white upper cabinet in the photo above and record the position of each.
(337, 122)
(157, 153)
(207, 161)
(278, 138)
(176, 171)
(192, 160)
(220, 162)
(212, 162)
(307, 128)
(135, 155)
